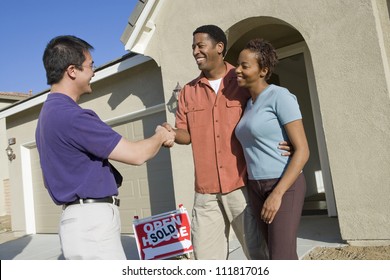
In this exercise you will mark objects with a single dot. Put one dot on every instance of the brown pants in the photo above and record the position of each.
(281, 234)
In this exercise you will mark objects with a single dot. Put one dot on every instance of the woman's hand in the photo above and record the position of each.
(271, 207)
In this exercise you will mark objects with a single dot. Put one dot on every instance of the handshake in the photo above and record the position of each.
(167, 134)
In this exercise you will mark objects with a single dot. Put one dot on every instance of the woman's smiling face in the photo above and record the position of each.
(248, 70)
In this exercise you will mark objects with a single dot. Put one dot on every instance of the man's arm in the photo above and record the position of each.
(137, 153)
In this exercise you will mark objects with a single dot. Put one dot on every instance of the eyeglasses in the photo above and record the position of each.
(92, 66)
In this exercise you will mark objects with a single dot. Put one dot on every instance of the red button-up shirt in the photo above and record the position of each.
(211, 119)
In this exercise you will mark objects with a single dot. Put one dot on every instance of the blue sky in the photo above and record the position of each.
(26, 26)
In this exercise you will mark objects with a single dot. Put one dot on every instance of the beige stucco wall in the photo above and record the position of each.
(4, 175)
(128, 91)
(4, 163)
(350, 69)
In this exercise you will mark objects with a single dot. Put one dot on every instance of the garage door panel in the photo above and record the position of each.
(47, 213)
(140, 182)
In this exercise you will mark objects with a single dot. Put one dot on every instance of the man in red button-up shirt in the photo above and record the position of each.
(208, 111)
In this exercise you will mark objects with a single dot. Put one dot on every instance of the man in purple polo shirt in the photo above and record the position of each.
(74, 146)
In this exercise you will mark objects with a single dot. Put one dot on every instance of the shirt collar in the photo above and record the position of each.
(229, 76)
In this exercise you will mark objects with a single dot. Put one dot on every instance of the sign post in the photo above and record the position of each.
(163, 236)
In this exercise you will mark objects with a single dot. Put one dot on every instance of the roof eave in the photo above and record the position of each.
(141, 26)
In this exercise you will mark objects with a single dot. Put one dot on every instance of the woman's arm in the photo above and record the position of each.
(297, 136)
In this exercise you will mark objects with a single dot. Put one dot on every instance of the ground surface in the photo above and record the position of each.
(350, 253)
(320, 253)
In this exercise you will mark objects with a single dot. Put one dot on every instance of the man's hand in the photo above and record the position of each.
(169, 128)
(182, 136)
(287, 148)
(167, 134)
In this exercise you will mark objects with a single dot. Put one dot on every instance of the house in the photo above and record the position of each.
(334, 56)
(6, 99)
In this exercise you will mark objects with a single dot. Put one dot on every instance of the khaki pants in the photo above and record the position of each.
(91, 231)
(212, 216)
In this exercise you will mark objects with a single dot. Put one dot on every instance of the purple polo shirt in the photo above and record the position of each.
(73, 145)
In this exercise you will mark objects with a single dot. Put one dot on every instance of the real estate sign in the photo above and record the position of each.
(163, 236)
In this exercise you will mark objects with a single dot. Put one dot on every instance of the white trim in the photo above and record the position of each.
(99, 75)
(28, 195)
(380, 33)
(144, 27)
(29, 103)
(139, 24)
(120, 67)
(291, 50)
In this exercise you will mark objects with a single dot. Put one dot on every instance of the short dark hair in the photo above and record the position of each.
(215, 33)
(265, 54)
(61, 52)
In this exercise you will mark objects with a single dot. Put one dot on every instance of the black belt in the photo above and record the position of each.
(108, 199)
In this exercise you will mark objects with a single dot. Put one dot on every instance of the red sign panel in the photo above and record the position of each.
(164, 235)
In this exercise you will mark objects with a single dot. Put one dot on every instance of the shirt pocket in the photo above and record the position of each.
(196, 116)
(233, 111)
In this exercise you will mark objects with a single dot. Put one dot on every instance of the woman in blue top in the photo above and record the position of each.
(276, 183)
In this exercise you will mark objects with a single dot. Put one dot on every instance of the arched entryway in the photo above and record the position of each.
(294, 72)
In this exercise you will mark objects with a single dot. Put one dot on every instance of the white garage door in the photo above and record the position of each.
(146, 189)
